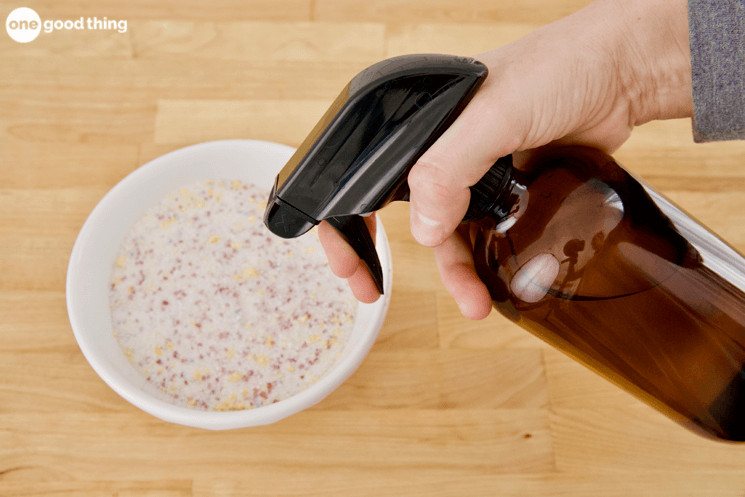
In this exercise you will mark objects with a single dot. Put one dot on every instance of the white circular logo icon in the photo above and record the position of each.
(23, 24)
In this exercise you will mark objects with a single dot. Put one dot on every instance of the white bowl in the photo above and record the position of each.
(93, 254)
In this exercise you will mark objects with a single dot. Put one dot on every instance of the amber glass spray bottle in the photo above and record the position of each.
(578, 252)
(572, 248)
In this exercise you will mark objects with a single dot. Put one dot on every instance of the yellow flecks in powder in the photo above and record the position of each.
(244, 393)
(191, 200)
(335, 320)
(174, 388)
(290, 253)
(235, 376)
(331, 342)
(160, 369)
(158, 351)
(247, 273)
(230, 353)
(261, 359)
(150, 288)
(236, 184)
(131, 289)
(268, 341)
(290, 368)
(167, 222)
(211, 192)
(169, 345)
(209, 182)
(261, 292)
(128, 353)
(230, 404)
(248, 325)
(192, 402)
(214, 239)
(325, 262)
(314, 338)
(117, 280)
(252, 219)
(121, 261)
(218, 197)
(236, 245)
(310, 250)
(200, 374)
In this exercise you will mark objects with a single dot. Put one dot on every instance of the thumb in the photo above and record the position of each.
(440, 179)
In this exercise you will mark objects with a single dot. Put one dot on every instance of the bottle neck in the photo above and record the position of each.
(495, 193)
(507, 201)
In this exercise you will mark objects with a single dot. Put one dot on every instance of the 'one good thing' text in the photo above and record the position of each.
(91, 23)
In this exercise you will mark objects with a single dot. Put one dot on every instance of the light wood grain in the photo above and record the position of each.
(287, 41)
(442, 406)
(463, 11)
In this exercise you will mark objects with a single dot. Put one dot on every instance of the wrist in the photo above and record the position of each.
(650, 49)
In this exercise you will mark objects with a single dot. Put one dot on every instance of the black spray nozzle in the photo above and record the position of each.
(357, 158)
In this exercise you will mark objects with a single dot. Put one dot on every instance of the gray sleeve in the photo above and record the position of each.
(717, 40)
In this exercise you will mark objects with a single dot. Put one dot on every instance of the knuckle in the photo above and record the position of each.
(425, 179)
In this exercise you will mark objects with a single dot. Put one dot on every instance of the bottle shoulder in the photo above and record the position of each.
(582, 227)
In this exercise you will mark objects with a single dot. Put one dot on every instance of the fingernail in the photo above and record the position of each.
(425, 229)
(427, 220)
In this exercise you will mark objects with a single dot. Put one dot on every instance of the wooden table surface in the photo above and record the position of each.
(442, 406)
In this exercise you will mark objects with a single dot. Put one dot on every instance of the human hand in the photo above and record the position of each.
(586, 79)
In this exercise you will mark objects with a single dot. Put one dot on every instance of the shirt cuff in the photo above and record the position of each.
(717, 44)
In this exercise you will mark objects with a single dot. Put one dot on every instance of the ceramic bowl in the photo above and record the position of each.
(96, 247)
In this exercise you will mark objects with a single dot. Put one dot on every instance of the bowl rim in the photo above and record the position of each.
(215, 420)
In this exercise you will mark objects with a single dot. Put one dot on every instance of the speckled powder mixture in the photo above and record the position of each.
(217, 312)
